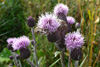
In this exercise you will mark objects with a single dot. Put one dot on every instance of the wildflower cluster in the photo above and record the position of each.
(57, 26)
(19, 43)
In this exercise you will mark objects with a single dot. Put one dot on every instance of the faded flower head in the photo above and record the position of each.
(70, 20)
(11, 40)
(48, 22)
(61, 9)
(74, 40)
(21, 42)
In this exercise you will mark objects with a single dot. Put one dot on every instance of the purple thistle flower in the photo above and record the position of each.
(48, 21)
(70, 20)
(21, 42)
(74, 40)
(61, 9)
(11, 40)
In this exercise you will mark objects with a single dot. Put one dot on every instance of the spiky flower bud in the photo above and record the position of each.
(11, 57)
(17, 57)
(9, 46)
(25, 53)
(30, 21)
(32, 42)
(76, 54)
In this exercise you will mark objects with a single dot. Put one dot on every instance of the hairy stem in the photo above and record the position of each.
(15, 60)
(57, 46)
(76, 63)
(69, 59)
(62, 59)
(32, 30)
(30, 63)
(61, 55)
(20, 63)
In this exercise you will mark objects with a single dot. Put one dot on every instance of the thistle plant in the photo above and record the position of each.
(74, 42)
(57, 27)
(21, 44)
(49, 22)
(10, 42)
(31, 23)
(61, 11)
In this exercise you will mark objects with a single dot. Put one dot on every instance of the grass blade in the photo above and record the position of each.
(54, 63)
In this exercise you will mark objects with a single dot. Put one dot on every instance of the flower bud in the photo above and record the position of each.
(17, 57)
(52, 37)
(30, 22)
(11, 64)
(70, 20)
(11, 57)
(32, 42)
(25, 53)
(9, 46)
(77, 25)
(76, 54)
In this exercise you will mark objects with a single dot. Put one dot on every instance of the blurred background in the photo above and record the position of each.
(13, 16)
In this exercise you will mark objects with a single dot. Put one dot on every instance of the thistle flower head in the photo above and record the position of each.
(48, 21)
(60, 9)
(70, 20)
(74, 40)
(21, 42)
(11, 40)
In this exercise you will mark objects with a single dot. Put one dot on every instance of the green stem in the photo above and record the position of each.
(62, 59)
(69, 59)
(76, 63)
(32, 30)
